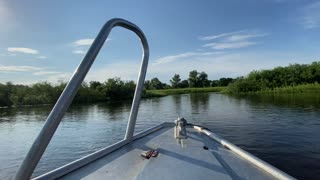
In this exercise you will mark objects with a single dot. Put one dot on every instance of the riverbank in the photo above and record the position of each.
(303, 88)
(165, 92)
(289, 79)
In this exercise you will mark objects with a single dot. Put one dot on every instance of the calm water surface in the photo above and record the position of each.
(282, 130)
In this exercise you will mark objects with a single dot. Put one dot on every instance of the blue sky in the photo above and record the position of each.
(46, 40)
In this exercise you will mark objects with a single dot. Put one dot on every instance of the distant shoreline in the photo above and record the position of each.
(298, 89)
(303, 88)
(165, 92)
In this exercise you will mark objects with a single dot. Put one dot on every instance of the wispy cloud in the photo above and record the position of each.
(168, 59)
(19, 68)
(41, 73)
(81, 45)
(22, 50)
(78, 51)
(229, 45)
(206, 38)
(42, 57)
(311, 16)
(234, 40)
(83, 42)
(243, 37)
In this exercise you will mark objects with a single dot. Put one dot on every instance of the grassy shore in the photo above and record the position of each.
(165, 92)
(303, 88)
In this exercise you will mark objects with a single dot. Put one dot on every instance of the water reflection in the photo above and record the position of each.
(281, 129)
(25, 113)
(199, 102)
(177, 103)
(116, 110)
(305, 101)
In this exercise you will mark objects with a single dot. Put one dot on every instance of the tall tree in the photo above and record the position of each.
(175, 81)
(193, 78)
(147, 84)
(155, 83)
(95, 84)
(225, 81)
(203, 80)
(5, 91)
(214, 83)
(184, 84)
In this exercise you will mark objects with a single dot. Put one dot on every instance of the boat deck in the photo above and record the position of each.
(186, 159)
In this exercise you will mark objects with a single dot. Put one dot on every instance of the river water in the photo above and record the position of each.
(283, 130)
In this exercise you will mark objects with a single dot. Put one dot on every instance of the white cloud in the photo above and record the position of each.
(41, 73)
(206, 38)
(42, 57)
(18, 68)
(83, 42)
(22, 50)
(168, 59)
(234, 40)
(229, 45)
(243, 37)
(311, 16)
(78, 51)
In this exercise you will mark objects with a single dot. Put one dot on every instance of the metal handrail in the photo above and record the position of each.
(41, 142)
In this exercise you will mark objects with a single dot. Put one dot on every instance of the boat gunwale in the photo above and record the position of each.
(79, 163)
(252, 159)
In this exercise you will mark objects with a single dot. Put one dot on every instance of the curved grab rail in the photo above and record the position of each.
(41, 142)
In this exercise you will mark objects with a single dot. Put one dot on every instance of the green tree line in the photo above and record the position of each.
(115, 88)
(47, 93)
(195, 80)
(95, 91)
(266, 80)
